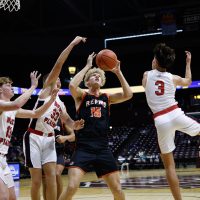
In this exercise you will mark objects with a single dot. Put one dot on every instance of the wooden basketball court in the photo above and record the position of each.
(137, 185)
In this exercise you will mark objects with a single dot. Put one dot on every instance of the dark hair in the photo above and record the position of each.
(4, 80)
(164, 55)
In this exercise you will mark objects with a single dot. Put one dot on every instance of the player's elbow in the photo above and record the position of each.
(128, 96)
(72, 138)
(71, 85)
(188, 82)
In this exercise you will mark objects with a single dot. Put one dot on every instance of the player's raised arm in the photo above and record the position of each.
(22, 113)
(22, 99)
(187, 80)
(126, 93)
(75, 90)
(55, 72)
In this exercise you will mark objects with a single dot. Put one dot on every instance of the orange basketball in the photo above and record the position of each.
(106, 59)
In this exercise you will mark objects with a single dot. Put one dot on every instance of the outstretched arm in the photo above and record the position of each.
(54, 74)
(75, 90)
(126, 93)
(75, 125)
(22, 99)
(22, 113)
(187, 80)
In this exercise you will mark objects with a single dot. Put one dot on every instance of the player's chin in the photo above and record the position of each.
(97, 84)
(58, 86)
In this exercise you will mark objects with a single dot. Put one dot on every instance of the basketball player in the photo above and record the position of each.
(39, 140)
(91, 142)
(62, 133)
(66, 135)
(8, 111)
(160, 88)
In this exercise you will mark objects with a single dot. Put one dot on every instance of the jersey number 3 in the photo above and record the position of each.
(160, 88)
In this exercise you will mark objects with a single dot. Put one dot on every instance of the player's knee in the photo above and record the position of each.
(58, 173)
(12, 197)
(117, 189)
(4, 197)
(36, 183)
(72, 187)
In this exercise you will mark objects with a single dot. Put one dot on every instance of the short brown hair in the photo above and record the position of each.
(4, 80)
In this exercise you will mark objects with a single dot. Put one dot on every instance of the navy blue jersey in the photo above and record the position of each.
(96, 112)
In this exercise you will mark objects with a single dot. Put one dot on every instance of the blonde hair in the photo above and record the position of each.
(92, 71)
(4, 80)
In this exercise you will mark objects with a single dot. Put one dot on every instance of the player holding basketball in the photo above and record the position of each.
(39, 140)
(91, 142)
(9, 110)
(160, 88)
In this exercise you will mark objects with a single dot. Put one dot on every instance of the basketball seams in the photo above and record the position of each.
(106, 62)
(106, 59)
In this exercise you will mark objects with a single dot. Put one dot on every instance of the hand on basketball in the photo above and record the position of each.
(79, 124)
(78, 39)
(90, 59)
(116, 69)
(34, 78)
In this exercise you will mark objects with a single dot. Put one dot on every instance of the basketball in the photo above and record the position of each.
(106, 59)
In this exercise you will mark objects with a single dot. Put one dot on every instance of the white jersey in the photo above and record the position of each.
(160, 90)
(48, 121)
(7, 121)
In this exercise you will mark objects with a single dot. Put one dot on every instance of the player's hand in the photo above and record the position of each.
(79, 124)
(34, 78)
(116, 69)
(90, 59)
(60, 139)
(188, 56)
(78, 39)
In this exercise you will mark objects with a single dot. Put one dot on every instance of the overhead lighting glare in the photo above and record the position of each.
(135, 36)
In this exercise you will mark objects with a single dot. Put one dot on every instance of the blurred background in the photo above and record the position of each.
(33, 37)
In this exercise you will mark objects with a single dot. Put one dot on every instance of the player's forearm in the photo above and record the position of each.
(42, 109)
(70, 138)
(55, 72)
(188, 73)
(70, 122)
(21, 100)
(78, 78)
(127, 93)
(64, 55)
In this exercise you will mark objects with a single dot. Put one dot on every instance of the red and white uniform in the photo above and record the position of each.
(7, 121)
(168, 117)
(39, 140)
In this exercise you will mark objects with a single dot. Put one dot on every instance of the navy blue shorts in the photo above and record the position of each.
(60, 159)
(101, 161)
